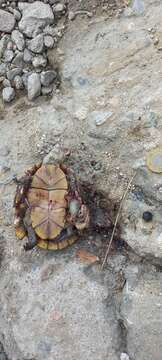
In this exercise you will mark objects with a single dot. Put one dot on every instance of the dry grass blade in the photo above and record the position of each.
(117, 218)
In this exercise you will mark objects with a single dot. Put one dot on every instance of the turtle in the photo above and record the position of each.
(49, 209)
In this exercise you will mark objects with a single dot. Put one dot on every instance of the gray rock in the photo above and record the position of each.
(36, 45)
(8, 94)
(144, 331)
(47, 90)
(14, 72)
(18, 59)
(35, 17)
(47, 77)
(34, 86)
(18, 82)
(48, 41)
(8, 55)
(3, 69)
(39, 61)
(6, 83)
(27, 56)
(18, 39)
(7, 21)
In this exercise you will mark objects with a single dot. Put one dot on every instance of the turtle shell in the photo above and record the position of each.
(46, 198)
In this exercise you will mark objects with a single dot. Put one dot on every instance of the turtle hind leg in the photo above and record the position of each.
(32, 237)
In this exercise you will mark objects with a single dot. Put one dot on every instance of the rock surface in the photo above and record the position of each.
(144, 330)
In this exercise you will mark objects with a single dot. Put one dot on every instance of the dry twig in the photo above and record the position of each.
(117, 218)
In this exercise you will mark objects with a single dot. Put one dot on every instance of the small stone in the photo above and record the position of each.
(14, 72)
(3, 69)
(47, 77)
(18, 82)
(18, 39)
(19, 59)
(6, 83)
(147, 216)
(71, 15)
(36, 45)
(27, 56)
(58, 8)
(8, 55)
(7, 21)
(156, 41)
(8, 94)
(47, 90)
(48, 41)
(100, 117)
(39, 61)
(34, 86)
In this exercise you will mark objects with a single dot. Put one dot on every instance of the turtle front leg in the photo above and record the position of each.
(32, 238)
